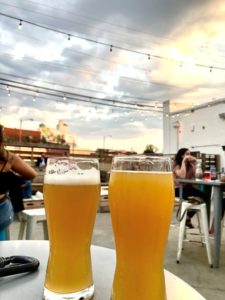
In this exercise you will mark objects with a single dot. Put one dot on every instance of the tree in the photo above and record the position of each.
(150, 149)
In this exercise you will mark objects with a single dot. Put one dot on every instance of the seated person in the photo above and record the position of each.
(184, 168)
(41, 161)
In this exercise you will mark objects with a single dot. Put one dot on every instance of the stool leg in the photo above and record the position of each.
(7, 232)
(206, 233)
(181, 234)
(21, 229)
(200, 230)
(31, 220)
(45, 229)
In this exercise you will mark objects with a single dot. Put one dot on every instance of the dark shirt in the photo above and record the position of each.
(5, 181)
(11, 183)
(41, 162)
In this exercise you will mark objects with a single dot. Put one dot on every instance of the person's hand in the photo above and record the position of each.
(189, 158)
(192, 158)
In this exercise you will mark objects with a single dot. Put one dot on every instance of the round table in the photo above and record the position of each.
(29, 286)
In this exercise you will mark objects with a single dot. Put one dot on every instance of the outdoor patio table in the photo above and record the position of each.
(30, 286)
(217, 201)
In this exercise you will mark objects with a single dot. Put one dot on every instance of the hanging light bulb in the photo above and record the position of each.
(20, 24)
(64, 97)
(9, 94)
(69, 37)
(34, 99)
(149, 56)
(111, 48)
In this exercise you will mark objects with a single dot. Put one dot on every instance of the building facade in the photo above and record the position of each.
(200, 128)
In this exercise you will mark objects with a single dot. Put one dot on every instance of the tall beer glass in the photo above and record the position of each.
(141, 195)
(71, 195)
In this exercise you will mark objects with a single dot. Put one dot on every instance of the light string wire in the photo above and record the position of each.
(76, 88)
(111, 46)
(77, 97)
(85, 106)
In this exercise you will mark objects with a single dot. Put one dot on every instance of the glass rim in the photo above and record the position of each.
(142, 156)
(73, 158)
(142, 163)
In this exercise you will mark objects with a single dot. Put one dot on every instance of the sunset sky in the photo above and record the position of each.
(59, 65)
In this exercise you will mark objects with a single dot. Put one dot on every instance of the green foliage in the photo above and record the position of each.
(150, 149)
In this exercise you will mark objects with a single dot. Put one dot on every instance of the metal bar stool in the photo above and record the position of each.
(200, 208)
(29, 218)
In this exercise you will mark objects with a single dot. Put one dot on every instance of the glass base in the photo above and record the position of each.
(82, 295)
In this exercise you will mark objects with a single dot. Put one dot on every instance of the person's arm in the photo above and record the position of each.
(180, 171)
(22, 168)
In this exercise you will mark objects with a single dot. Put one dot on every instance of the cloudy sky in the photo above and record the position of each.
(59, 65)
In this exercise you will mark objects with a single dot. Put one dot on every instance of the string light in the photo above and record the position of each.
(20, 24)
(69, 37)
(102, 43)
(64, 97)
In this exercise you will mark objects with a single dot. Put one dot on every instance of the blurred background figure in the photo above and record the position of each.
(42, 161)
(184, 167)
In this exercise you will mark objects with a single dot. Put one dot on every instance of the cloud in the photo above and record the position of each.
(184, 40)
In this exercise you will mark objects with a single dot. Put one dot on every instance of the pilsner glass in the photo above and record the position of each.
(141, 195)
(71, 195)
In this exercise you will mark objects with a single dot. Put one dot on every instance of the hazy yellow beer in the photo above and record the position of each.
(141, 205)
(71, 199)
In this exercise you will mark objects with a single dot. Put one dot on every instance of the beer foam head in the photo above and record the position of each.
(73, 177)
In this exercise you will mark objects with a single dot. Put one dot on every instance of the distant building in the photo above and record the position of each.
(15, 135)
(58, 135)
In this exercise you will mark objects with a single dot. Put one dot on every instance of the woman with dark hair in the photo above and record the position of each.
(12, 169)
(184, 168)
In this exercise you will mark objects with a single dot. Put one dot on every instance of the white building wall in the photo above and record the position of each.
(200, 129)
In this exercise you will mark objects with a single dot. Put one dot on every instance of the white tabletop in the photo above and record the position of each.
(30, 286)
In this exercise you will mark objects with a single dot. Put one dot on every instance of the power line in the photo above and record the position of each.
(77, 97)
(144, 82)
(77, 88)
